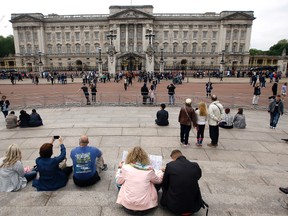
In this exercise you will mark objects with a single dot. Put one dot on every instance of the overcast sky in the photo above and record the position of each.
(270, 25)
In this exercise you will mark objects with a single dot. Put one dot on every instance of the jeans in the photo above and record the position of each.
(184, 133)
(171, 99)
(30, 176)
(274, 117)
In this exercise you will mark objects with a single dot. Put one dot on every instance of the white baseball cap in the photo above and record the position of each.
(188, 101)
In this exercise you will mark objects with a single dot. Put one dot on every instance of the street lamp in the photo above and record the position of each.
(150, 36)
(100, 61)
(222, 65)
(161, 62)
(40, 63)
(111, 37)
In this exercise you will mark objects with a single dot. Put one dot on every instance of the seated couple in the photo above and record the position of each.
(139, 183)
(52, 171)
(238, 121)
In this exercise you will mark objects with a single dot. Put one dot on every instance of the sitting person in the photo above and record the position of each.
(181, 192)
(227, 122)
(87, 163)
(162, 116)
(12, 172)
(24, 119)
(51, 177)
(35, 119)
(239, 119)
(136, 179)
(11, 120)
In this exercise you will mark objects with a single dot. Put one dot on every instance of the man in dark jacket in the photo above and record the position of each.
(275, 109)
(35, 119)
(162, 116)
(144, 93)
(181, 192)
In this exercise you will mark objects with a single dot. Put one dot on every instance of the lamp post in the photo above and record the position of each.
(222, 64)
(161, 62)
(149, 51)
(100, 61)
(40, 63)
(111, 37)
(150, 36)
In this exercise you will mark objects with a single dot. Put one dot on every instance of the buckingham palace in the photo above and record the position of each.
(132, 38)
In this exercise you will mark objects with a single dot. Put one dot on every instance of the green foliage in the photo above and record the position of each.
(7, 46)
(257, 52)
(277, 49)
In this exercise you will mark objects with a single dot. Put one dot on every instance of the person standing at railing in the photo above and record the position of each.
(93, 92)
(84, 88)
(171, 92)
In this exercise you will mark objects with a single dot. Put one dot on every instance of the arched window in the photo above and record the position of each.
(78, 48)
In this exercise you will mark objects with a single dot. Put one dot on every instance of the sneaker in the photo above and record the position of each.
(186, 145)
(105, 167)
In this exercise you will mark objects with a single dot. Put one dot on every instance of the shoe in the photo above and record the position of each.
(105, 167)
(284, 190)
(198, 144)
(211, 145)
(186, 145)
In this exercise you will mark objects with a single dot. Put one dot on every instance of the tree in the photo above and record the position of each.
(277, 49)
(7, 46)
(257, 52)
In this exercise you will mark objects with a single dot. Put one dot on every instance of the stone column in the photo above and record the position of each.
(127, 34)
(135, 37)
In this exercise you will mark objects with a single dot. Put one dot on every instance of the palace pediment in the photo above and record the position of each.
(131, 14)
(239, 16)
(24, 18)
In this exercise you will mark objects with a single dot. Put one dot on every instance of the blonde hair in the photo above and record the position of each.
(13, 154)
(202, 109)
(137, 154)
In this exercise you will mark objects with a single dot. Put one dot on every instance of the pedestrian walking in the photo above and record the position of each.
(284, 90)
(93, 92)
(125, 83)
(144, 93)
(257, 93)
(84, 88)
(152, 94)
(209, 88)
(215, 116)
(276, 108)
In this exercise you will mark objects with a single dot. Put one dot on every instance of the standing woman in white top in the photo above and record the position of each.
(12, 174)
(202, 115)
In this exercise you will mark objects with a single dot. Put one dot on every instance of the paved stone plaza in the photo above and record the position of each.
(241, 177)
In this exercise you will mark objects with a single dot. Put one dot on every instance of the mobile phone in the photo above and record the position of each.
(56, 137)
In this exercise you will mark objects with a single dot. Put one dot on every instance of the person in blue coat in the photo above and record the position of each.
(51, 176)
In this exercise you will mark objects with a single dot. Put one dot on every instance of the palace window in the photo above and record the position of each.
(28, 36)
(35, 36)
(96, 34)
(67, 35)
(77, 36)
(204, 35)
(29, 49)
(195, 35)
(87, 48)
(194, 47)
(235, 34)
(49, 37)
(175, 35)
(213, 48)
(58, 36)
(49, 50)
(185, 35)
(87, 36)
(59, 48)
(228, 35)
(214, 35)
(78, 47)
(166, 33)
(68, 49)
(21, 36)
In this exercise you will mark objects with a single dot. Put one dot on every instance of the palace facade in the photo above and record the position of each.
(132, 38)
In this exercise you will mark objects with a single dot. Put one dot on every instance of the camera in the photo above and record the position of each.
(56, 137)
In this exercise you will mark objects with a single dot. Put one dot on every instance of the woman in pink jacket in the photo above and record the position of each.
(136, 178)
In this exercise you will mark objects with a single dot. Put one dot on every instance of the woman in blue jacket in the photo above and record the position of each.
(51, 177)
